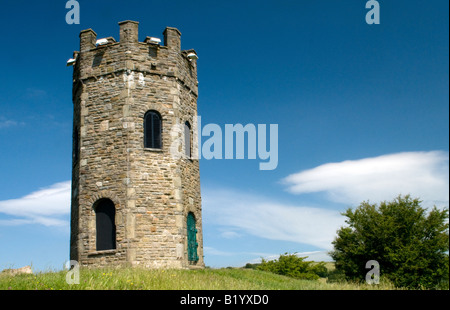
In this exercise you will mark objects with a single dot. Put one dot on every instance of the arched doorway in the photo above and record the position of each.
(105, 213)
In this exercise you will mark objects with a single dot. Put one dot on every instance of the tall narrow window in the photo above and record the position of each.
(75, 146)
(152, 130)
(192, 238)
(105, 213)
(187, 139)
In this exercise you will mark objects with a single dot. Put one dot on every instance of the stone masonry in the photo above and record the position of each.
(153, 192)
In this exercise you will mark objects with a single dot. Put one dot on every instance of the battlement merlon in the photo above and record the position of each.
(172, 38)
(88, 38)
(111, 57)
(129, 32)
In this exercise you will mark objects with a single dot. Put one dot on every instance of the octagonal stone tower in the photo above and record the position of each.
(135, 182)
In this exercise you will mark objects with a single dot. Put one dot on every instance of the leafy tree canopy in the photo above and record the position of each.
(410, 244)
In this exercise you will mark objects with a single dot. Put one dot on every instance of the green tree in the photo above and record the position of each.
(409, 243)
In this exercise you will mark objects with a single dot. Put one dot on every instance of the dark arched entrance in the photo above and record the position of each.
(105, 213)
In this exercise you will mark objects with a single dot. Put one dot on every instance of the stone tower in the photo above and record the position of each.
(135, 181)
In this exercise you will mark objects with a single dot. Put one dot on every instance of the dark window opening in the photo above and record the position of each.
(187, 139)
(105, 213)
(75, 150)
(152, 130)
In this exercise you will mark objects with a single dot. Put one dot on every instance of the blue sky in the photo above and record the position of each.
(362, 113)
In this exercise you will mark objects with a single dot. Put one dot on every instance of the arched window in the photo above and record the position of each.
(105, 213)
(192, 238)
(187, 139)
(152, 130)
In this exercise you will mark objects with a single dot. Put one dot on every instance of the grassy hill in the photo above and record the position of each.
(168, 279)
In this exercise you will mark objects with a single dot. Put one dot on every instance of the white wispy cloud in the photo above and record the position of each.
(5, 123)
(35, 93)
(266, 218)
(213, 251)
(229, 234)
(421, 174)
(45, 206)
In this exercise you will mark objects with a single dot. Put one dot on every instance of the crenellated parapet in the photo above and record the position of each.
(100, 58)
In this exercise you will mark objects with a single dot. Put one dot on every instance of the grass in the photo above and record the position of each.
(169, 279)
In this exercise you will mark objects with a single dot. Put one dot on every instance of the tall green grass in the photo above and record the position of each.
(169, 279)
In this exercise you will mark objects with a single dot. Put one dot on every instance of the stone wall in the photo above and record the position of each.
(114, 86)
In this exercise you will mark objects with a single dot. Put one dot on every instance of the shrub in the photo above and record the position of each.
(320, 269)
(251, 266)
(294, 266)
(336, 276)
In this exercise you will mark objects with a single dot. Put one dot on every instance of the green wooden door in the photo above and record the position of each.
(192, 238)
